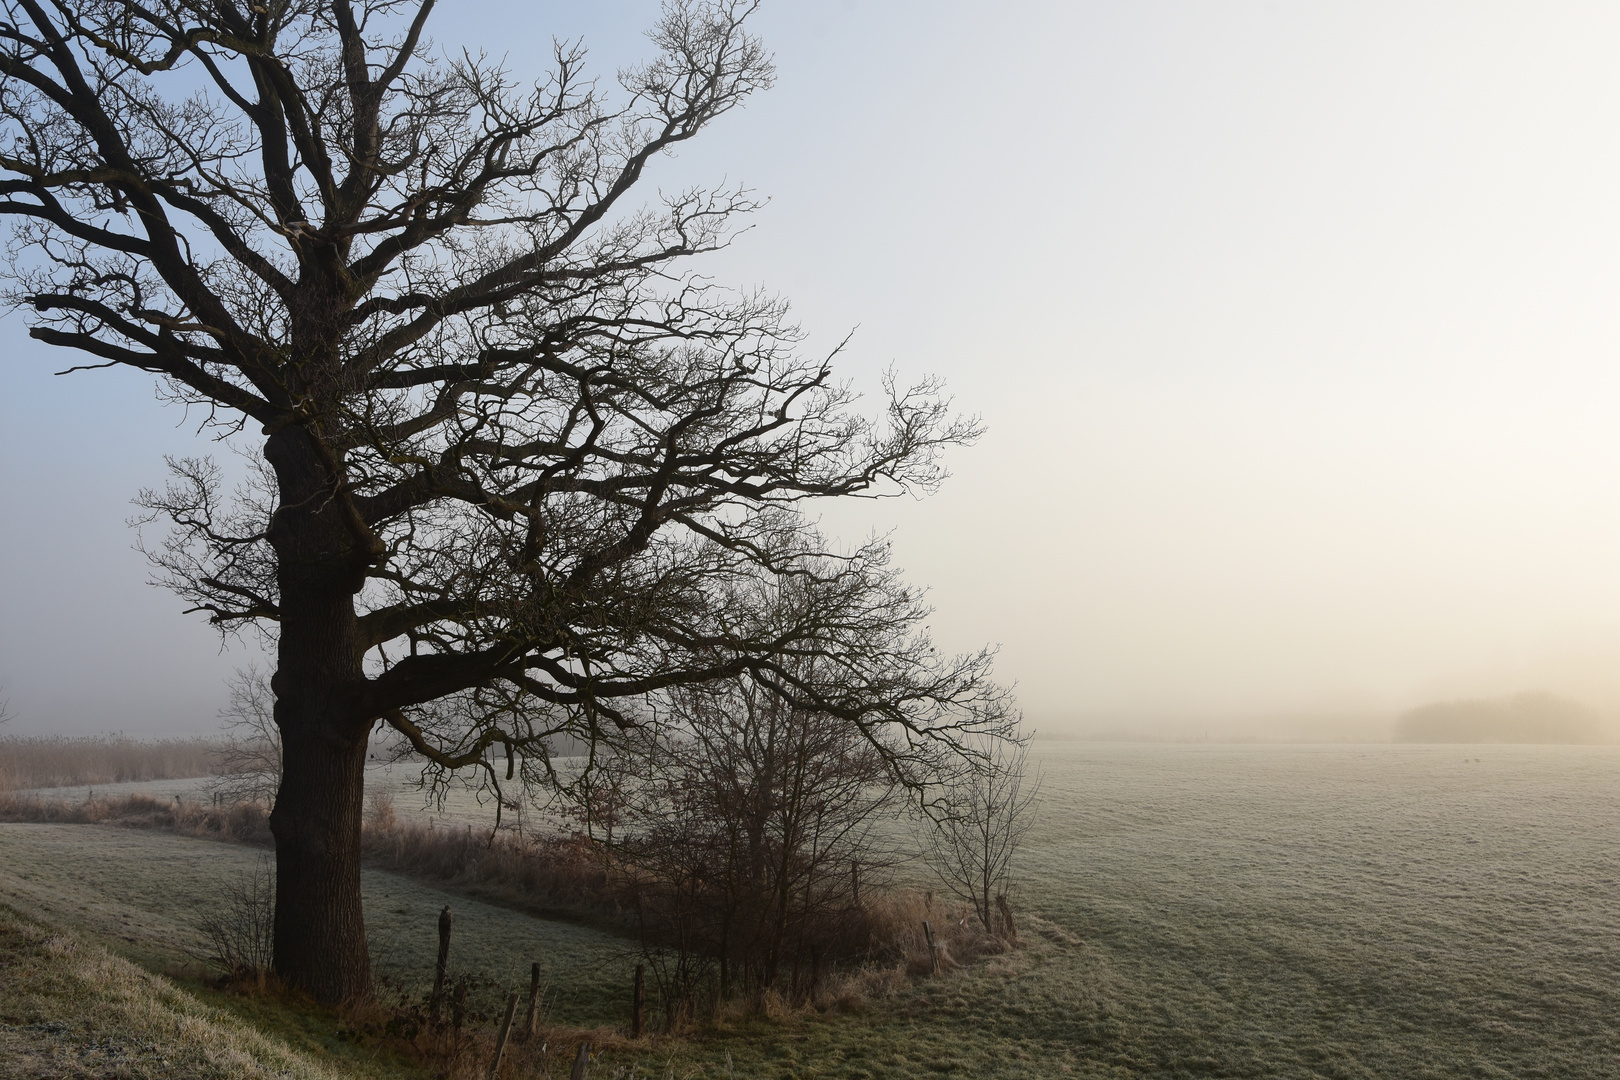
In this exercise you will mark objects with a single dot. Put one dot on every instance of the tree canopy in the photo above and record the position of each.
(523, 467)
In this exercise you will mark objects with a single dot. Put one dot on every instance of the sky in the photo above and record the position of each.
(1293, 328)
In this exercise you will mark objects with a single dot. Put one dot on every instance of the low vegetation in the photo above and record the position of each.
(558, 876)
(59, 761)
(243, 822)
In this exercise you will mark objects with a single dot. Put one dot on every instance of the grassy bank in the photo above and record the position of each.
(72, 1008)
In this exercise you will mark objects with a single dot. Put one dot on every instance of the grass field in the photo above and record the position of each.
(1347, 911)
(146, 890)
(1341, 911)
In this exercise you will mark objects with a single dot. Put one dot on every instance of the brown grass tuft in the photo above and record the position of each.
(897, 918)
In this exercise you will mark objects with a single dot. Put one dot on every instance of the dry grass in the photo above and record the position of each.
(166, 883)
(549, 875)
(465, 1051)
(895, 921)
(244, 822)
(58, 761)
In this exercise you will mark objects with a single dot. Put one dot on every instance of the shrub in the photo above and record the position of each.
(241, 935)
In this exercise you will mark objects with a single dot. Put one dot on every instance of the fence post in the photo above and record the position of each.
(581, 1059)
(638, 1002)
(855, 880)
(458, 1003)
(933, 952)
(534, 1001)
(1007, 917)
(444, 961)
(506, 1030)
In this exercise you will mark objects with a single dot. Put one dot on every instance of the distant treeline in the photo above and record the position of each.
(1521, 718)
(58, 761)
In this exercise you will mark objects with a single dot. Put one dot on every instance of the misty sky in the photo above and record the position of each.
(1294, 328)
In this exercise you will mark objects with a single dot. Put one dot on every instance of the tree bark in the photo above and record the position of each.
(320, 933)
(320, 937)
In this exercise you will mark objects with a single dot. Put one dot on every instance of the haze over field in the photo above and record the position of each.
(1293, 331)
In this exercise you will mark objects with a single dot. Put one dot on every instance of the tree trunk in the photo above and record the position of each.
(320, 931)
(320, 934)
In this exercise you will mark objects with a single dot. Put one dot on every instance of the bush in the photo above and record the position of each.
(241, 935)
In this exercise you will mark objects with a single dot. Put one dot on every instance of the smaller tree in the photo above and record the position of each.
(988, 809)
(249, 761)
(747, 817)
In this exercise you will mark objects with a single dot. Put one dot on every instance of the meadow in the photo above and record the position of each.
(1210, 910)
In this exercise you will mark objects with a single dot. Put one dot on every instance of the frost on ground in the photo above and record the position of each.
(148, 892)
(72, 1009)
(1358, 912)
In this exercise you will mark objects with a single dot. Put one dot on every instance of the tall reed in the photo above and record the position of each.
(46, 761)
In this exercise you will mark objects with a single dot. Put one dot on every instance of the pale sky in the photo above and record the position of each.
(1294, 327)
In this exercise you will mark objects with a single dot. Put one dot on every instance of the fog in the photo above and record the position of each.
(1293, 329)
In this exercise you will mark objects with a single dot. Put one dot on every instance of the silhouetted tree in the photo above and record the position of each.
(745, 828)
(520, 468)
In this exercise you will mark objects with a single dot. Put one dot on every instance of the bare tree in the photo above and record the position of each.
(8, 771)
(747, 828)
(249, 761)
(521, 466)
(988, 810)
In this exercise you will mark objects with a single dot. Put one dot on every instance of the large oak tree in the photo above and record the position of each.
(523, 471)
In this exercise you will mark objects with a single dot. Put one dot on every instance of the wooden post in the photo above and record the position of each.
(444, 961)
(458, 1003)
(933, 952)
(581, 1059)
(638, 1002)
(1006, 917)
(855, 880)
(506, 1030)
(534, 1002)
